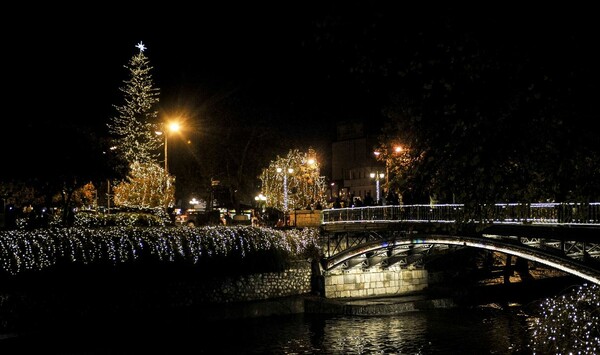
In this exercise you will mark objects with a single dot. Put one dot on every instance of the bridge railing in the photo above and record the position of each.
(523, 213)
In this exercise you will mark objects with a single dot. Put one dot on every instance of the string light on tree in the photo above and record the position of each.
(302, 187)
(377, 176)
(285, 171)
(134, 125)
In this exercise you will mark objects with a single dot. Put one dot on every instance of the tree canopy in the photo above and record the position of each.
(134, 128)
(489, 107)
(293, 181)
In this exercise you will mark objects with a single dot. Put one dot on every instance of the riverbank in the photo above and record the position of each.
(96, 299)
(149, 323)
(499, 295)
(99, 310)
(311, 304)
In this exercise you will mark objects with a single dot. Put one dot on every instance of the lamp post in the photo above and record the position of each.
(261, 200)
(170, 127)
(377, 176)
(397, 149)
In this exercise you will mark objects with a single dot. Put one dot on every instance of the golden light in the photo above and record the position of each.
(260, 197)
(398, 149)
(174, 126)
(377, 153)
(311, 161)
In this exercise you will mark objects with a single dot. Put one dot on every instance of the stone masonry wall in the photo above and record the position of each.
(305, 218)
(76, 294)
(291, 282)
(374, 282)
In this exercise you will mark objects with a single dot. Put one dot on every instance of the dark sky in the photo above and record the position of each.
(68, 68)
(64, 65)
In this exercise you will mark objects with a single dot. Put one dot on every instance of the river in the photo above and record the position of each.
(501, 326)
(477, 330)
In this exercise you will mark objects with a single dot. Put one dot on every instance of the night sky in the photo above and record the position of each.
(70, 69)
(297, 65)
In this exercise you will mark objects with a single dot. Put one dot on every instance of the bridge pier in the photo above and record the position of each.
(374, 281)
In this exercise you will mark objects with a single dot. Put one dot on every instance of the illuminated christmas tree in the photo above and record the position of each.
(293, 182)
(134, 128)
(146, 187)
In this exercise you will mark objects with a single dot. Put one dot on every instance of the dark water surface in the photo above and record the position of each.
(481, 330)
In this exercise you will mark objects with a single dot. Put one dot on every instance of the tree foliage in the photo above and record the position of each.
(136, 123)
(136, 142)
(487, 113)
(84, 196)
(147, 186)
(305, 186)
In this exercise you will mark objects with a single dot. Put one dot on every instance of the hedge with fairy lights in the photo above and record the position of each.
(243, 248)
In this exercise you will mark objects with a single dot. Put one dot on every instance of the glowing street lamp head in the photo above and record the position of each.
(260, 197)
(174, 126)
(398, 149)
(279, 170)
(372, 175)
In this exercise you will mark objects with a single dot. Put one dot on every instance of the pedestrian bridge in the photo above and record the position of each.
(564, 236)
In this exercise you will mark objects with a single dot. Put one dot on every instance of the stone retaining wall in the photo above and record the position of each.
(371, 282)
(291, 282)
(105, 293)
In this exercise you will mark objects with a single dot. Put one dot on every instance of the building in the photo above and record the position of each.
(353, 161)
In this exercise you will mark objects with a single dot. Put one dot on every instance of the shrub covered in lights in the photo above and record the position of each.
(244, 248)
(568, 324)
(149, 217)
(156, 217)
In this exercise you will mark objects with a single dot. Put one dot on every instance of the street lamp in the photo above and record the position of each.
(261, 200)
(377, 176)
(170, 127)
(385, 155)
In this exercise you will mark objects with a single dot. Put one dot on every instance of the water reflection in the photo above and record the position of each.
(445, 331)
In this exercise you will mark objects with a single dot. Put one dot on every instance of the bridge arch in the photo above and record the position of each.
(567, 265)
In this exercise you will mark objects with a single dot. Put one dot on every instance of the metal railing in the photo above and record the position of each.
(520, 213)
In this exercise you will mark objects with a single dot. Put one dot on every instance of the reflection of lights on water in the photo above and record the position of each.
(357, 335)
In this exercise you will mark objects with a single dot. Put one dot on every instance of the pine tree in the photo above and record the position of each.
(135, 126)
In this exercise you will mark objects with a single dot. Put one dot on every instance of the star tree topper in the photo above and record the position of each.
(141, 46)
